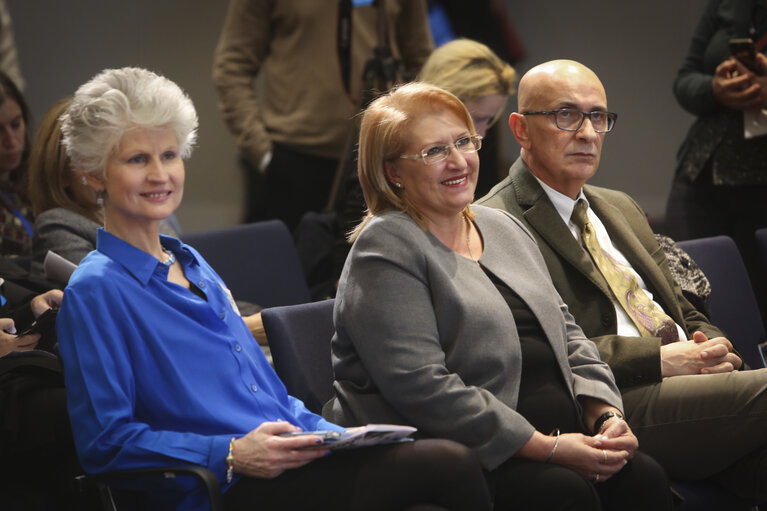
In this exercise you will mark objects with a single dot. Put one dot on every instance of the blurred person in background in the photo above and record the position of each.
(313, 57)
(16, 217)
(721, 174)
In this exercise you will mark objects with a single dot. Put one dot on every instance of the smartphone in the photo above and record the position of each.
(43, 322)
(743, 50)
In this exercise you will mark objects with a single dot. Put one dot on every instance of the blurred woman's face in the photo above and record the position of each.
(144, 179)
(484, 109)
(12, 131)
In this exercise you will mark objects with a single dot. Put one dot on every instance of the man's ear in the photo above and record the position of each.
(518, 127)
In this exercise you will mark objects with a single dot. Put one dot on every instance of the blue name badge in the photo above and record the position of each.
(361, 3)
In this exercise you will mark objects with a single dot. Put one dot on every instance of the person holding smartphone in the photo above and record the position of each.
(721, 174)
(38, 458)
(22, 303)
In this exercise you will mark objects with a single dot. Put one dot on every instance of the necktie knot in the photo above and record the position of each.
(579, 216)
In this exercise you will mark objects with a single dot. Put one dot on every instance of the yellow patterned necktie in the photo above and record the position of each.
(646, 315)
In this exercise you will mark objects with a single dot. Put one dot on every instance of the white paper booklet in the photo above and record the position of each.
(372, 434)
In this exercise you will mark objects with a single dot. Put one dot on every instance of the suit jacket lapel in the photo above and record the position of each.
(544, 219)
(636, 254)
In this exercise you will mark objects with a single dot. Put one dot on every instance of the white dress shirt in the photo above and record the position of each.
(564, 206)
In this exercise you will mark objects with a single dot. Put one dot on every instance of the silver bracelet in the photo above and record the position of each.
(556, 444)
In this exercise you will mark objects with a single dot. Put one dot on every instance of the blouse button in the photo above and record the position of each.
(222, 315)
(237, 348)
(201, 284)
(255, 389)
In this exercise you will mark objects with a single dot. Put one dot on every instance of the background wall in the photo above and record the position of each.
(634, 47)
(62, 44)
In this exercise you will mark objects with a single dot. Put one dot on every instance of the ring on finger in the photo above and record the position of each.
(604, 452)
(596, 477)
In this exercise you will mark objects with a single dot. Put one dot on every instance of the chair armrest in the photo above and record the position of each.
(212, 486)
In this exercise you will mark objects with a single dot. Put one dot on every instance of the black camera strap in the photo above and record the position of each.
(344, 43)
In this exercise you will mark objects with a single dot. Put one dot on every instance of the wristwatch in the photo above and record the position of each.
(604, 418)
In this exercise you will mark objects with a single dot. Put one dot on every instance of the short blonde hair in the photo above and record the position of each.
(384, 133)
(469, 70)
(116, 101)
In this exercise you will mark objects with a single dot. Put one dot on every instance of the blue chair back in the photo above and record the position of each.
(761, 250)
(732, 302)
(257, 261)
(299, 338)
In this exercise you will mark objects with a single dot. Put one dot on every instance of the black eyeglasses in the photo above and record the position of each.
(570, 119)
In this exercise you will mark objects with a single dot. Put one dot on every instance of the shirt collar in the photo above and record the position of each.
(562, 203)
(137, 262)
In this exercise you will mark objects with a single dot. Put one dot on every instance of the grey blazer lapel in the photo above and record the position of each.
(527, 284)
(540, 213)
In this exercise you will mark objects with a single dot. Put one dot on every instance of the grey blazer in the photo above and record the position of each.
(70, 235)
(424, 338)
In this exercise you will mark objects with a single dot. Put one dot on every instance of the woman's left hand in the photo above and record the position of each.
(589, 456)
(616, 435)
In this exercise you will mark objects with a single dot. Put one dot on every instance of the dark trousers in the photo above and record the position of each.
(706, 426)
(296, 183)
(524, 485)
(427, 474)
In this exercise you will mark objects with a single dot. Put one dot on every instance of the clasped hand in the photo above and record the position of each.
(735, 87)
(264, 454)
(601, 456)
(699, 356)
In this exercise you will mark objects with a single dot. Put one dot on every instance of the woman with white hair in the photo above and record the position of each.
(160, 368)
(66, 212)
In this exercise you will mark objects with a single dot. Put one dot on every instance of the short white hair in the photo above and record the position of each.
(116, 101)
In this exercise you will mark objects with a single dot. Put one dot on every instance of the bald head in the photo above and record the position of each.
(551, 79)
(563, 159)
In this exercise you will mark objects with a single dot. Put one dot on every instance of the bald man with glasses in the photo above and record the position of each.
(686, 398)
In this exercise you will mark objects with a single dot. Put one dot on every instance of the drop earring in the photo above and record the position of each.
(398, 184)
(100, 198)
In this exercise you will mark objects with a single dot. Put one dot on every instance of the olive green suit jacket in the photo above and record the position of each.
(634, 360)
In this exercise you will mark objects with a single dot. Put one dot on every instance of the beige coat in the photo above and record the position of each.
(293, 45)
